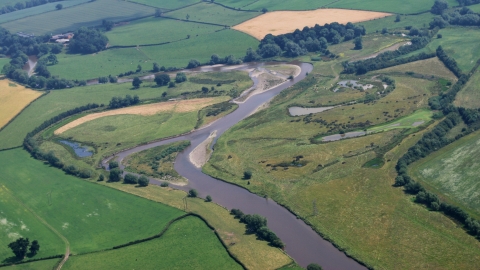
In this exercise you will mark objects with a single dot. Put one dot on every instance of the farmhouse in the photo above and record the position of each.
(62, 38)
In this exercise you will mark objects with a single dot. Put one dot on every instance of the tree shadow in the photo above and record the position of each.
(12, 259)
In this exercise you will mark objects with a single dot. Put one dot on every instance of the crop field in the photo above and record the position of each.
(70, 19)
(176, 54)
(212, 13)
(13, 98)
(418, 21)
(166, 4)
(428, 67)
(139, 32)
(469, 96)
(452, 172)
(19, 14)
(281, 22)
(173, 250)
(404, 7)
(91, 217)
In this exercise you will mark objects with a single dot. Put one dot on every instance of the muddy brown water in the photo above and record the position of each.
(303, 244)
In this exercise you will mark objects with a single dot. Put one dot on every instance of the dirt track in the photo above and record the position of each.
(281, 22)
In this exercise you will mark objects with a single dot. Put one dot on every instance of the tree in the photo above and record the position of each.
(358, 43)
(101, 178)
(59, 6)
(130, 179)
(439, 36)
(384, 31)
(193, 63)
(139, 68)
(192, 193)
(254, 222)
(19, 247)
(136, 82)
(35, 247)
(56, 48)
(162, 79)
(115, 175)
(87, 40)
(143, 181)
(164, 94)
(108, 25)
(247, 175)
(398, 18)
(314, 266)
(156, 67)
(113, 164)
(251, 56)
(204, 90)
(208, 198)
(439, 6)
(264, 10)
(180, 77)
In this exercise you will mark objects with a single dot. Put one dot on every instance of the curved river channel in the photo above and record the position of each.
(303, 244)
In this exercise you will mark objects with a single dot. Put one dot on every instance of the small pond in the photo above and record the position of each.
(297, 111)
(80, 151)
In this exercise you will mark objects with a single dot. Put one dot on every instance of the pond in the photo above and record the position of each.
(297, 111)
(80, 151)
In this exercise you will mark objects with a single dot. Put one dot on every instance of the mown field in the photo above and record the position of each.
(70, 19)
(19, 14)
(404, 7)
(418, 21)
(13, 98)
(166, 4)
(176, 249)
(452, 172)
(176, 54)
(212, 13)
(89, 216)
(140, 31)
(469, 96)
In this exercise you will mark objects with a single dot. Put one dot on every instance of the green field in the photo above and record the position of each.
(166, 4)
(91, 217)
(418, 21)
(187, 244)
(452, 172)
(280, 5)
(417, 118)
(469, 96)
(211, 13)
(70, 19)
(19, 14)
(39, 265)
(429, 67)
(475, 8)
(401, 7)
(140, 31)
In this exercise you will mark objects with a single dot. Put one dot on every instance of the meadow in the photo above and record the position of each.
(166, 4)
(176, 249)
(212, 13)
(89, 216)
(19, 14)
(175, 54)
(469, 96)
(415, 119)
(452, 172)
(404, 7)
(13, 98)
(70, 19)
(429, 67)
(418, 21)
(139, 32)
(38, 265)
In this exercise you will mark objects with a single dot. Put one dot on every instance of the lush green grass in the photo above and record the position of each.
(469, 96)
(401, 7)
(285, 5)
(39, 265)
(176, 54)
(211, 13)
(475, 8)
(19, 14)
(140, 31)
(69, 19)
(91, 217)
(461, 43)
(166, 4)
(418, 21)
(417, 118)
(452, 172)
(187, 244)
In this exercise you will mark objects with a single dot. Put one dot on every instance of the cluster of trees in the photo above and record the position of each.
(116, 176)
(449, 62)
(162, 79)
(24, 5)
(87, 40)
(439, 6)
(229, 60)
(21, 246)
(258, 225)
(468, 2)
(460, 16)
(119, 102)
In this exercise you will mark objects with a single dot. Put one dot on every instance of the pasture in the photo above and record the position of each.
(212, 13)
(429, 67)
(418, 21)
(452, 172)
(469, 96)
(139, 32)
(282, 22)
(13, 98)
(404, 7)
(38, 265)
(166, 4)
(176, 249)
(89, 216)
(70, 19)
(413, 120)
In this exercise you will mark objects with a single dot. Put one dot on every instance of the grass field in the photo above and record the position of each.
(140, 31)
(13, 98)
(211, 13)
(39, 265)
(452, 172)
(177, 54)
(428, 67)
(418, 21)
(176, 249)
(469, 96)
(404, 7)
(166, 4)
(415, 119)
(19, 14)
(475, 8)
(91, 217)
(70, 19)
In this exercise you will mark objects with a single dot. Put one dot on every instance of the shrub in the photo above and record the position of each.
(101, 177)
(130, 179)
(113, 164)
(314, 266)
(143, 181)
(164, 184)
(208, 198)
(192, 193)
(193, 63)
(115, 175)
(247, 175)
(181, 77)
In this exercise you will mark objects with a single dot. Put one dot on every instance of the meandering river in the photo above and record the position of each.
(302, 243)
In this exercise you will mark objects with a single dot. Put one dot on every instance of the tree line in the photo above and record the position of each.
(459, 16)
(24, 5)
(119, 102)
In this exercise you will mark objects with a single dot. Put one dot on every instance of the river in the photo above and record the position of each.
(302, 243)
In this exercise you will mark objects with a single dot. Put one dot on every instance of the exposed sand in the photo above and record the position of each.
(282, 22)
(149, 109)
(201, 154)
(13, 99)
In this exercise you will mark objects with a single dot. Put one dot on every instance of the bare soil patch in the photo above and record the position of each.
(201, 154)
(149, 109)
(13, 98)
(281, 22)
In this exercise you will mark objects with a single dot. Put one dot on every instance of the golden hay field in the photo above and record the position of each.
(13, 98)
(281, 22)
(188, 105)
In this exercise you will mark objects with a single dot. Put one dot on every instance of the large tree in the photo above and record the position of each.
(162, 79)
(136, 82)
(87, 40)
(35, 247)
(19, 247)
(439, 6)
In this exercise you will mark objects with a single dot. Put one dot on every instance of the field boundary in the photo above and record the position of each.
(232, 8)
(32, 260)
(207, 23)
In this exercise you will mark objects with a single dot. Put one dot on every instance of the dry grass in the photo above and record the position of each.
(13, 98)
(429, 67)
(281, 22)
(180, 106)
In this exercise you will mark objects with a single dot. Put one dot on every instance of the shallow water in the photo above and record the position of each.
(77, 148)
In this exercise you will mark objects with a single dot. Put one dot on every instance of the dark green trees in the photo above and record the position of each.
(19, 247)
(162, 79)
(87, 40)
(358, 43)
(192, 193)
(439, 6)
(143, 181)
(193, 63)
(247, 175)
(180, 77)
(113, 164)
(130, 179)
(136, 82)
(59, 6)
(314, 266)
(208, 198)
(34, 248)
(115, 175)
